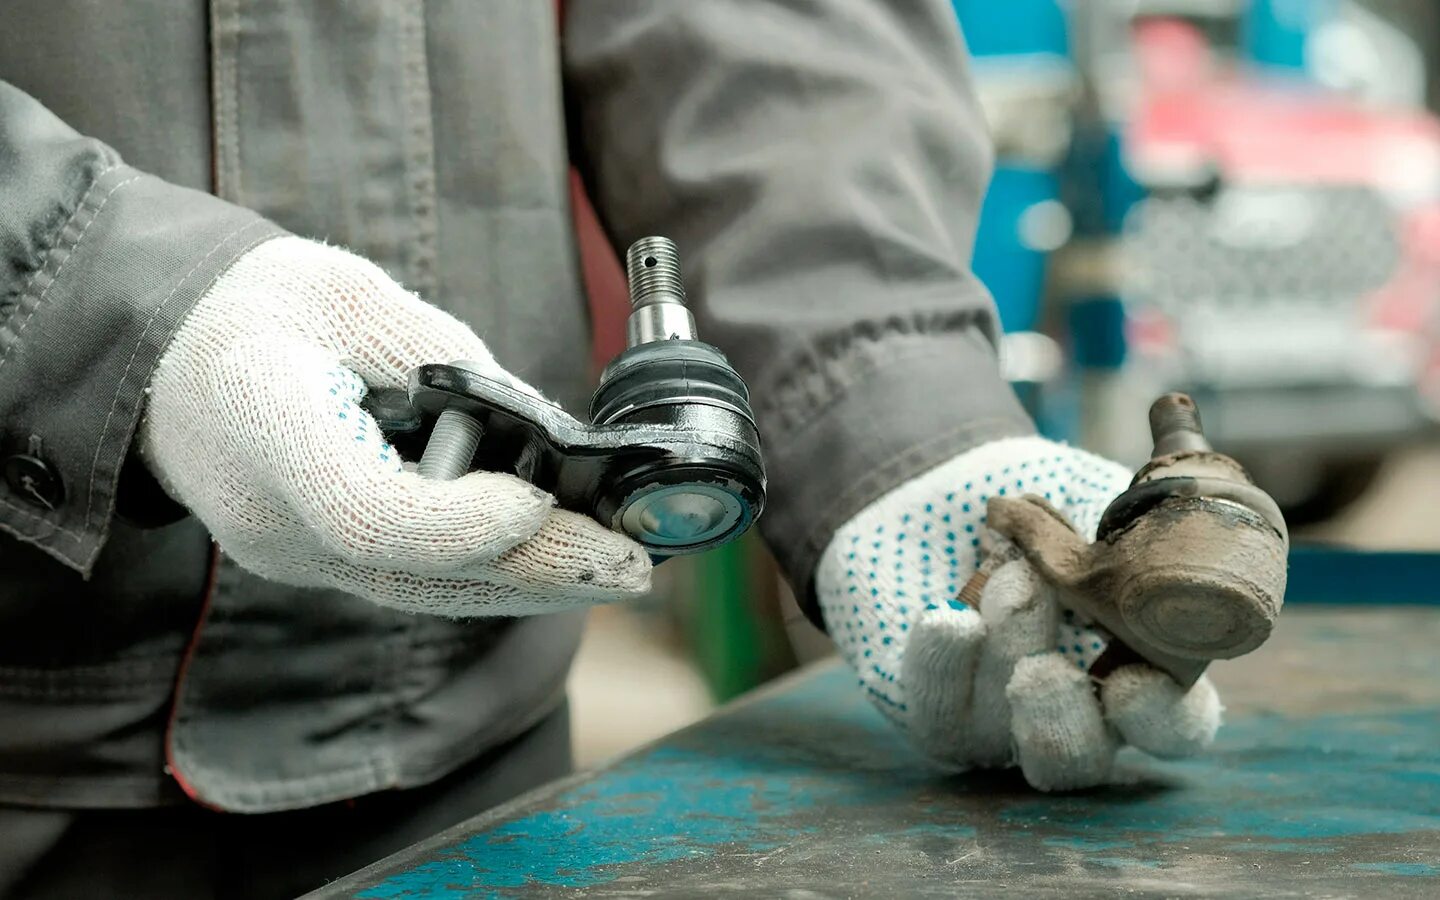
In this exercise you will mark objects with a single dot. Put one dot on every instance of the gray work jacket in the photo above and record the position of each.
(819, 164)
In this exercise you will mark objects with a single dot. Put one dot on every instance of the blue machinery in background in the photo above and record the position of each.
(1274, 32)
(1015, 39)
(1332, 576)
(1004, 39)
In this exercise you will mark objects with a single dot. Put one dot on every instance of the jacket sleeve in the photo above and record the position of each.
(821, 167)
(98, 264)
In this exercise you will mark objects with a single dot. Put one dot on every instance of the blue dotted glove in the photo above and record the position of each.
(1008, 683)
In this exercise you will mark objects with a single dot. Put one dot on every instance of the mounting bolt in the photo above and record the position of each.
(453, 440)
(1175, 426)
(451, 447)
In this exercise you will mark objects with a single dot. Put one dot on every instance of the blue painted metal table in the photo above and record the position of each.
(1325, 783)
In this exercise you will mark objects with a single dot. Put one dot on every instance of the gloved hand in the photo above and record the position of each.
(254, 423)
(1007, 683)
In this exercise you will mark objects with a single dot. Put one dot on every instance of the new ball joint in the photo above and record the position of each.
(671, 455)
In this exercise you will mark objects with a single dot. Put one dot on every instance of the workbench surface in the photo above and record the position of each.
(1325, 782)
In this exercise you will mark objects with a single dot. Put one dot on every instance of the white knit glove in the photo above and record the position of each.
(254, 423)
(1007, 683)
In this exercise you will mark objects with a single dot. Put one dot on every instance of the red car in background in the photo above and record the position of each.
(1283, 265)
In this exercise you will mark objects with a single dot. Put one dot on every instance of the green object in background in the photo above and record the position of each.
(736, 630)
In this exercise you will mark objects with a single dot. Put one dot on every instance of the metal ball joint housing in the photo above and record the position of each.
(1188, 564)
(671, 455)
(1208, 575)
(708, 494)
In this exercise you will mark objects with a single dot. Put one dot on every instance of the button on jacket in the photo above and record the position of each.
(819, 164)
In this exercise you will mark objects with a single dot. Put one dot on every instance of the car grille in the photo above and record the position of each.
(1260, 247)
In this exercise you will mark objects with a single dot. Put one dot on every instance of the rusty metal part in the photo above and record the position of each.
(1189, 564)
(1175, 426)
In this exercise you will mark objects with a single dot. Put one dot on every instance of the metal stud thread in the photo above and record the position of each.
(653, 264)
(451, 447)
(657, 293)
(1175, 426)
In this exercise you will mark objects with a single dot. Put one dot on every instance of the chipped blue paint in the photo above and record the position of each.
(1321, 778)
(947, 830)
(1276, 847)
(1406, 870)
(661, 807)
(811, 788)
(666, 805)
(1123, 862)
(1281, 785)
(1089, 845)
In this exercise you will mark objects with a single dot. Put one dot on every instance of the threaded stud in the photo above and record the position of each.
(1175, 425)
(657, 295)
(451, 447)
(653, 267)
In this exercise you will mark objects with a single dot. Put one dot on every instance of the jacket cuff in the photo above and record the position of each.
(112, 282)
(930, 399)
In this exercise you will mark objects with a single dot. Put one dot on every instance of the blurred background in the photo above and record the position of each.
(1235, 198)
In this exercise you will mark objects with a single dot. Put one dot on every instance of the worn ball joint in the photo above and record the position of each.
(671, 455)
(1188, 565)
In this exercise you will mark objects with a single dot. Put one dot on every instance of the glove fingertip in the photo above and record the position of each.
(517, 488)
(948, 626)
(574, 553)
(517, 509)
(622, 567)
(937, 674)
(943, 645)
(1019, 611)
(1061, 738)
(1155, 714)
